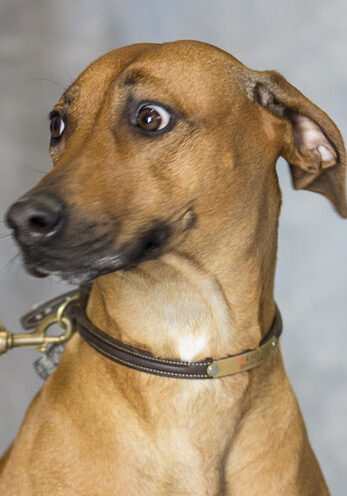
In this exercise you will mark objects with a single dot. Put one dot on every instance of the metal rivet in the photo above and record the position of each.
(213, 370)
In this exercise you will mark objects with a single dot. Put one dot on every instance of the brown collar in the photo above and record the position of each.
(68, 310)
(142, 360)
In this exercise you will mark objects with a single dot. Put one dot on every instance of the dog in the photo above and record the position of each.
(164, 194)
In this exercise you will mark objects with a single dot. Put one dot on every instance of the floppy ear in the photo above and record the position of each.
(315, 149)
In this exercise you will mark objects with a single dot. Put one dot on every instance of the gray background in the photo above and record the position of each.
(45, 44)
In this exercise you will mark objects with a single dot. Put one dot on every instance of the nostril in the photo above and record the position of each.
(36, 216)
(39, 222)
(43, 221)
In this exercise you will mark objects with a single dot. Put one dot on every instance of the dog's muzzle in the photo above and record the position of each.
(56, 239)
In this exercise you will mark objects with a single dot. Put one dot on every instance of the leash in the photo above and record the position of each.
(68, 311)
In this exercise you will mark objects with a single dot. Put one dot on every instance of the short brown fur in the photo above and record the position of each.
(99, 428)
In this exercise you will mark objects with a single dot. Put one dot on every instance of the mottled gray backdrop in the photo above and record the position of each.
(44, 44)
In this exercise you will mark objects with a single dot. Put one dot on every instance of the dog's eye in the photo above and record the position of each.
(152, 118)
(57, 126)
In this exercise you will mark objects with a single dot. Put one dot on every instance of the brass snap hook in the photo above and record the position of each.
(39, 336)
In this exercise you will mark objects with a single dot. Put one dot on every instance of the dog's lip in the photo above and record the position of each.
(79, 263)
(65, 254)
(46, 264)
(37, 271)
(66, 271)
(85, 261)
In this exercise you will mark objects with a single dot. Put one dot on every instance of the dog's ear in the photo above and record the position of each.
(315, 149)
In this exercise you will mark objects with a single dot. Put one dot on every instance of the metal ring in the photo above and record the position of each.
(62, 308)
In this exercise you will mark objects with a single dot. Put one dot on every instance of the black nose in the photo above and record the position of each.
(36, 217)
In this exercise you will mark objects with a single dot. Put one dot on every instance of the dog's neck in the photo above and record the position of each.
(179, 308)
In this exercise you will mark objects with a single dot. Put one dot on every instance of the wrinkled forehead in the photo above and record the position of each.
(180, 68)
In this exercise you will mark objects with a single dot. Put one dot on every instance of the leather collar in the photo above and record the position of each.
(68, 311)
(144, 361)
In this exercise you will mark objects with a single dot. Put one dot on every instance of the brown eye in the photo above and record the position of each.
(56, 126)
(152, 118)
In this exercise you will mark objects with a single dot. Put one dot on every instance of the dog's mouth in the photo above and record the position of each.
(76, 246)
(78, 262)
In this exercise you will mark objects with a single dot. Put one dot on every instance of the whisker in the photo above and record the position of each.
(13, 259)
(10, 266)
(35, 170)
(47, 79)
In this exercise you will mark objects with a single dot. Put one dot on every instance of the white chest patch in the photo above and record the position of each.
(189, 346)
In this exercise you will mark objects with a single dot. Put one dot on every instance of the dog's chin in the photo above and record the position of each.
(75, 276)
(35, 271)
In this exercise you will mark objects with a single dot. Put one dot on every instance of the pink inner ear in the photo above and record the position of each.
(308, 134)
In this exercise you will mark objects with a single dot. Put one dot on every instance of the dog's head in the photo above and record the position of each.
(155, 146)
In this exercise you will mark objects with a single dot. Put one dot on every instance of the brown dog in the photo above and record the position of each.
(164, 192)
